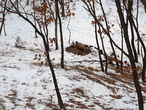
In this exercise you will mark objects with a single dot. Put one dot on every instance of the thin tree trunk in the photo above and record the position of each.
(99, 53)
(143, 46)
(122, 38)
(3, 20)
(60, 101)
(131, 57)
(27, 2)
(46, 45)
(137, 13)
(35, 19)
(114, 53)
(132, 43)
(2, 25)
(56, 27)
(129, 9)
(61, 35)
(104, 51)
(62, 7)
(144, 68)
(97, 43)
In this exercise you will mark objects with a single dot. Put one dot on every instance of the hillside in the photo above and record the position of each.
(26, 82)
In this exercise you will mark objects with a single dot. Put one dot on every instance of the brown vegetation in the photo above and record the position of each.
(79, 49)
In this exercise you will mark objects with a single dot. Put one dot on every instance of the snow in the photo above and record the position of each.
(25, 85)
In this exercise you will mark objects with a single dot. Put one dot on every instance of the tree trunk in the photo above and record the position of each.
(3, 19)
(97, 43)
(56, 26)
(144, 68)
(60, 102)
(46, 45)
(99, 53)
(61, 35)
(131, 57)
(34, 14)
(62, 7)
(27, 2)
(106, 23)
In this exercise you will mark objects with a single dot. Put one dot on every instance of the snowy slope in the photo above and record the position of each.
(26, 84)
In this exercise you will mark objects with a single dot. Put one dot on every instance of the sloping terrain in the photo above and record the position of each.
(26, 82)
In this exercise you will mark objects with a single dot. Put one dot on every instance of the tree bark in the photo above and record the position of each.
(56, 26)
(3, 19)
(62, 7)
(61, 35)
(131, 57)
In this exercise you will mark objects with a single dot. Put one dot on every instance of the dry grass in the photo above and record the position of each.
(108, 80)
(78, 104)
(78, 49)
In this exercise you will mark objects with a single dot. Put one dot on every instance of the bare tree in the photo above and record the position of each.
(2, 20)
(42, 30)
(56, 25)
(131, 55)
(125, 20)
(61, 33)
(103, 29)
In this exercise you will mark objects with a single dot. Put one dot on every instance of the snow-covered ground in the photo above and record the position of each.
(26, 83)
